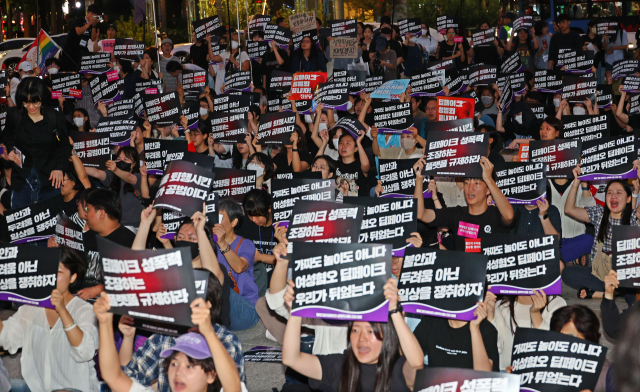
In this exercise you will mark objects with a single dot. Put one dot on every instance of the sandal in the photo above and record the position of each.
(589, 293)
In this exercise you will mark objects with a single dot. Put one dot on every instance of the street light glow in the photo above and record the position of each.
(77, 4)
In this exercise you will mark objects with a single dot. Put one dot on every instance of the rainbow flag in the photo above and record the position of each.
(45, 46)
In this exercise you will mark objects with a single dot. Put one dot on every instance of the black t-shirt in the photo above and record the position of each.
(94, 276)
(283, 165)
(353, 171)
(430, 234)
(263, 238)
(597, 42)
(571, 40)
(446, 346)
(69, 207)
(447, 50)
(75, 42)
(198, 55)
(332, 369)
(270, 64)
(489, 222)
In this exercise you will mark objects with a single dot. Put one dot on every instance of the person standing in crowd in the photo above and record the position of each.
(308, 58)
(541, 58)
(563, 39)
(275, 59)
(198, 52)
(522, 43)
(170, 82)
(365, 43)
(383, 62)
(614, 47)
(505, 35)
(98, 46)
(81, 31)
(449, 49)
(489, 54)
(429, 43)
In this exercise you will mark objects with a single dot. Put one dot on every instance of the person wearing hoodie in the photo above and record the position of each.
(521, 125)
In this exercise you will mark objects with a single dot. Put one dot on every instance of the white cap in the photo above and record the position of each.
(25, 66)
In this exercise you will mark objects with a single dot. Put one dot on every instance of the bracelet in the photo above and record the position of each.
(69, 328)
(226, 250)
(585, 189)
(634, 195)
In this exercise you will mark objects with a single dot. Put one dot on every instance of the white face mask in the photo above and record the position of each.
(254, 166)
(116, 68)
(234, 44)
(407, 144)
(322, 127)
(424, 32)
(413, 39)
(349, 105)
(486, 100)
(79, 121)
(308, 119)
(52, 71)
(335, 143)
(204, 111)
(578, 111)
(556, 102)
(518, 118)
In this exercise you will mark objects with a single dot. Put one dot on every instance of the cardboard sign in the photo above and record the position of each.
(208, 26)
(92, 148)
(163, 109)
(28, 274)
(67, 84)
(387, 220)
(233, 183)
(455, 108)
(304, 83)
(103, 90)
(576, 89)
(276, 128)
(555, 362)
(428, 84)
(229, 128)
(281, 35)
(341, 281)
(391, 89)
(68, 233)
(232, 103)
(320, 221)
(108, 45)
(257, 49)
(463, 125)
(184, 188)
(129, 49)
(623, 68)
(512, 64)
(373, 83)
(483, 38)
(604, 96)
(119, 129)
(193, 83)
(522, 182)
(609, 158)
(344, 48)
(464, 380)
(576, 61)
(258, 22)
(444, 22)
(286, 193)
(263, 354)
(122, 108)
(560, 155)
(455, 154)
(238, 81)
(281, 81)
(344, 28)
(332, 95)
(548, 81)
(149, 284)
(302, 22)
(398, 178)
(95, 63)
(36, 222)
(585, 127)
(624, 259)
(442, 284)
(392, 117)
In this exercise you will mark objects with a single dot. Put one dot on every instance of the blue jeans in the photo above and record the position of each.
(243, 313)
(18, 385)
(30, 193)
(573, 248)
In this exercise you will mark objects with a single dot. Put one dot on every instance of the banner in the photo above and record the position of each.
(344, 48)
(184, 188)
(428, 84)
(560, 155)
(156, 285)
(344, 28)
(463, 125)
(391, 89)
(523, 22)
(68, 233)
(304, 83)
(257, 49)
(624, 68)
(464, 380)
(341, 281)
(392, 117)
(95, 63)
(519, 264)
(280, 80)
(119, 129)
(233, 183)
(163, 109)
(332, 95)
(387, 220)
(239, 81)
(522, 182)
(630, 84)
(446, 21)
(604, 96)
(455, 154)
(28, 274)
(555, 362)
(585, 127)
(229, 128)
(454, 108)
(263, 354)
(232, 103)
(576, 61)
(483, 38)
(281, 35)
(276, 128)
(442, 283)
(512, 64)
(302, 22)
(321, 221)
(258, 22)
(208, 26)
(398, 178)
(121, 108)
(103, 89)
(548, 81)
(92, 148)
(410, 26)
(36, 222)
(609, 158)
(285, 193)
(576, 89)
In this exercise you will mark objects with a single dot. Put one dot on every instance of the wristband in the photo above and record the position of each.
(396, 310)
(634, 195)
(543, 217)
(294, 150)
(585, 189)
(69, 328)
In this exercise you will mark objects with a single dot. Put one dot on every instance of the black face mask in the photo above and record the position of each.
(195, 250)
(385, 30)
(124, 166)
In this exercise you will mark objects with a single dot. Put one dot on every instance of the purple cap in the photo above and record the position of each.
(193, 344)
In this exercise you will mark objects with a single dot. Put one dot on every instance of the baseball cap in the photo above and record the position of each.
(167, 41)
(381, 42)
(192, 344)
(25, 66)
(510, 15)
(112, 26)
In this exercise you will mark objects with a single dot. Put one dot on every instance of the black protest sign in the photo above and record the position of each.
(606, 27)
(585, 127)
(522, 182)
(280, 80)
(555, 362)
(263, 354)
(442, 284)
(208, 26)
(387, 220)
(622, 68)
(92, 148)
(518, 82)
(446, 21)
(67, 85)
(163, 109)
(332, 95)
(3, 117)
(119, 129)
(68, 233)
(191, 111)
(193, 83)
(548, 81)
(410, 26)
(483, 38)
(344, 28)
(279, 34)
(482, 75)
(228, 128)
(464, 380)
(625, 257)
(523, 22)
(512, 64)
(538, 110)
(461, 125)
(233, 183)
(455, 154)
(3, 84)
(129, 49)
(28, 274)
(94, 63)
(232, 103)
(392, 117)
(121, 108)
(103, 89)
(257, 49)
(576, 61)
(560, 156)
(138, 104)
(320, 221)
(171, 221)
(576, 89)
(305, 175)
(158, 153)
(609, 158)
(428, 84)
(201, 160)
(630, 84)
(506, 96)
(398, 178)
(149, 284)
(276, 128)
(149, 86)
(355, 79)
(297, 37)
(217, 49)
(285, 193)
(275, 99)
(258, 22)
(372, 83)
(175, 150)
(604, 96)
(519, 264)
(184, 188)
(634, 104)
(341, 281)
(351, 125)
(238, 81)
(36, 222)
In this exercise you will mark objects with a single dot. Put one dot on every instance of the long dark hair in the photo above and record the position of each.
(510, 301)
(86, 127)
(302, 140)
(30, 89)
(626, 214)
(116, 182)
(350, 373)
(583, 318)
(627, 354)
(236, 157)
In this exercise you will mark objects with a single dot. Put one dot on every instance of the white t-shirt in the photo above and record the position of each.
(221, 67)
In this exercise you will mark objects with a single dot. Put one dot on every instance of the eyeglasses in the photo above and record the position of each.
(317, 167)
(34, 104)
(86, 209)
(451, 33)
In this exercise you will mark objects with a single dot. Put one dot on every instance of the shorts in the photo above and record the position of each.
(608, 67)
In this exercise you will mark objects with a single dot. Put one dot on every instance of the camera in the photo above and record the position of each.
(376, 62)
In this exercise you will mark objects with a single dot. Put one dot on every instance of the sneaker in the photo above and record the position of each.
(270, 336)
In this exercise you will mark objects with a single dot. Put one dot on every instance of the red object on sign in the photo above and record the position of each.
(523, 153)
(112, 75)
(75, 93)
(457, 40)
(151, 91)
(304, 83)
(56, 94)
(455, 108)
(472, 245)
(200, 79)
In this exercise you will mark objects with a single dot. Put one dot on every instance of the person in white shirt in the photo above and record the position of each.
(98, 46)
(58, 345)
(25, 69)
(429, 43)
(234, 60)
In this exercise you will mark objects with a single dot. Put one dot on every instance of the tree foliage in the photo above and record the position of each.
(128, 28)
(230, 18)
(471, 12)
